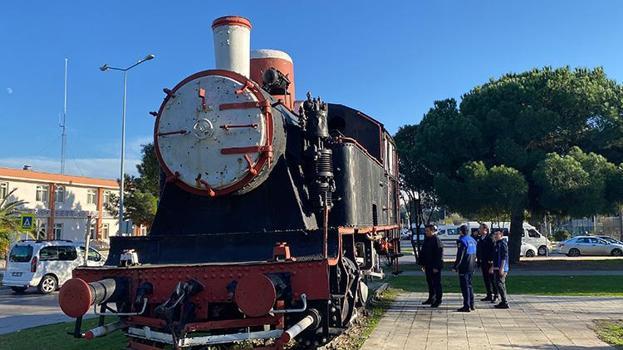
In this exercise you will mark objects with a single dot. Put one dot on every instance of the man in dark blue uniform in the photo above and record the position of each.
(464, 264)
(485, 250)
(500, 267)
(431, 261)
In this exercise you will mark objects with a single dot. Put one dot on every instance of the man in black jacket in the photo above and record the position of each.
(431, 261)
(464, 264)
(485, 252)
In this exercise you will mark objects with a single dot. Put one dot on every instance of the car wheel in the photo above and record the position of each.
(574, 252)
(616, 252)
(529, 253)
(18, 290)
(48, 284)
(543, 250)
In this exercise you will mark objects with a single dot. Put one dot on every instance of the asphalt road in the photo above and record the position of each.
(27, 310)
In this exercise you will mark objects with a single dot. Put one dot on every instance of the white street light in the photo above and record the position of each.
(104, 68)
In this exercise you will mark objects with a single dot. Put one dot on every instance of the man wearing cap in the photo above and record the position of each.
(485, 249)
(500, 267)
(431, 260)
(464, 264)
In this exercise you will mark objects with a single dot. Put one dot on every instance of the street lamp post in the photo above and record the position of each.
(104, 68)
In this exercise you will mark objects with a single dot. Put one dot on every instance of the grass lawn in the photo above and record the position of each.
(54, 337)
(611, 332)
(537, 285)
(540, 265)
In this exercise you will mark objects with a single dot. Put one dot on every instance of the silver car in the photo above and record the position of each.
(589, 245)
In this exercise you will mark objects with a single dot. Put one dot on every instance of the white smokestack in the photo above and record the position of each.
(232, 44)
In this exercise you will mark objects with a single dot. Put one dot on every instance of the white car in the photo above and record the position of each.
(589, 245)
(45, 264)
(528, 250)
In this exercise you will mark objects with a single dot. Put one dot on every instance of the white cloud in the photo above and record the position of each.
(132, 146)
(107, 168)
(9, 90)
(135, 146)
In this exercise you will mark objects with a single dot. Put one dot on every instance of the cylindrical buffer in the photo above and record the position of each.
(232, 44)
(76, 296)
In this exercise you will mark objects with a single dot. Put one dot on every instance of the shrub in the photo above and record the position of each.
(561, 235)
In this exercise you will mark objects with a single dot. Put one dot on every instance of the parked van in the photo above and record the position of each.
(448, 234)
(530, 235)
(45, 264)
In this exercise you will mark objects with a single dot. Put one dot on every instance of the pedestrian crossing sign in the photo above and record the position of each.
(27, 221)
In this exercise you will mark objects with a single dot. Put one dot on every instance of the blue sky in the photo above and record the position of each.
(390, 59)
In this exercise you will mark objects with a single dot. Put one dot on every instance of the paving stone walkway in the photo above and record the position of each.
(533, 322)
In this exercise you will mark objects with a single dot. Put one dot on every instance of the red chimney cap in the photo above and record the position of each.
(231, 20)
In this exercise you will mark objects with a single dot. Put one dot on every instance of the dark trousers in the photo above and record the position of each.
(467, 290)
(501, 285)
(434, 284)
(489, 280)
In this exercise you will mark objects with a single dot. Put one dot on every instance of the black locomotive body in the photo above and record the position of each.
(280, 247)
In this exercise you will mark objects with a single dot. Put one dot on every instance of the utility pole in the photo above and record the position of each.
(62, 124)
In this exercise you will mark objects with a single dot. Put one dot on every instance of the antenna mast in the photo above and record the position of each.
(62, 124)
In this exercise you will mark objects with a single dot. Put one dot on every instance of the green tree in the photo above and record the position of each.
(148, 171)
(10, 209)
(140, 193)
(416, 179)
(534, 142)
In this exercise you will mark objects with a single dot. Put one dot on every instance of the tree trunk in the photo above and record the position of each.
(514, 239)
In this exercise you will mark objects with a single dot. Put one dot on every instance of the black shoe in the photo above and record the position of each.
(494, 299)
(487, 298)
(427, 302)
(463, 309)
(436, 304)
(501, 306)
(472, 308)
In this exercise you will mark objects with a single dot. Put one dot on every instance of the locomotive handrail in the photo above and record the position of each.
(289, 311)
(121, 313)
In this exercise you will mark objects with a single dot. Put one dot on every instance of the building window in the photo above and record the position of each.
(106, 197)
(58, 231)
(105, 231)
(92, 231)
(42, 193)
(41, 229)
(4, 190)
(92, 197)
(59, 194)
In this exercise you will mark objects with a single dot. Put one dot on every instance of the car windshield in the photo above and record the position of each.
(21, 253)
(93, 254)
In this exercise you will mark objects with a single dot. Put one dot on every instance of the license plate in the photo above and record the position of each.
(16, 274)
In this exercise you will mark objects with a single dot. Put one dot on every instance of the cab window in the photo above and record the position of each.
(21, 253)
(453, 231)
(533, 233)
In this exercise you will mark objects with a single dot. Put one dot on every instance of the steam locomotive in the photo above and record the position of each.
(272, 215)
